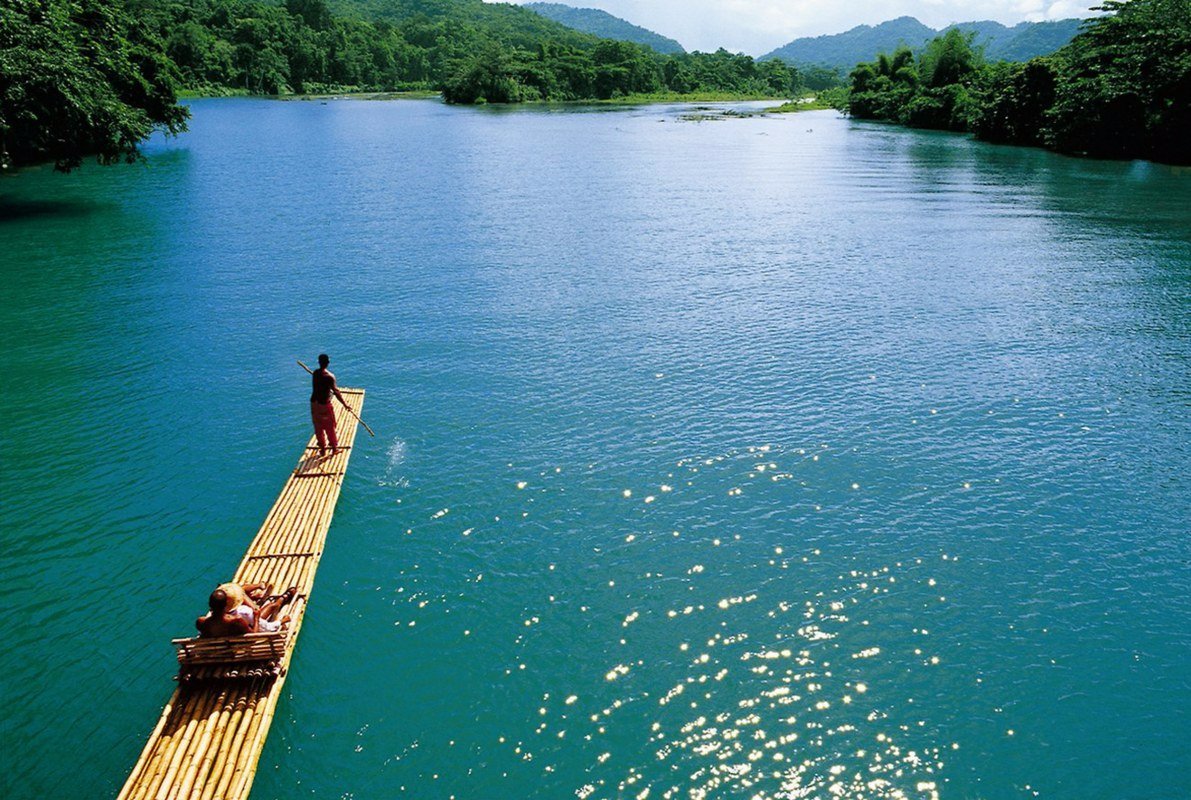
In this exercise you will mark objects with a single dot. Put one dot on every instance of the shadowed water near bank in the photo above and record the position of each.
(736, 458)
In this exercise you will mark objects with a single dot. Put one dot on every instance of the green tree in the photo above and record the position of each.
(1015, 101)
(485, 78)
(885, 88)
(314, 13)
(780, 79)
(623, 68)
(949, 59)
(1126, 87)
(819, 78)
(261, 42)
(80, 79)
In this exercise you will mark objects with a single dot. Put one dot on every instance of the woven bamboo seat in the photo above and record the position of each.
(197, 651)
(252, 655)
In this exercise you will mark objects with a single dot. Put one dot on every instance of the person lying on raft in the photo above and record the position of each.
(253, 603)
(234, 614)
(250, 596)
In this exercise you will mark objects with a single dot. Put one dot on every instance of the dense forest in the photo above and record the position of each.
(471, 51)
(484, 53)
(1120, 89)
(611, 69)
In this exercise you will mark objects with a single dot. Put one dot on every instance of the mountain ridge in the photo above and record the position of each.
(1019, 42)
(600, 23)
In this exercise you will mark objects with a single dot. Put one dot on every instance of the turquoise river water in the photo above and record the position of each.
(764, 458)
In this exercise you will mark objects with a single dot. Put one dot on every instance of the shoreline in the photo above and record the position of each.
(659, 98)
(812, 103)
(215, 93)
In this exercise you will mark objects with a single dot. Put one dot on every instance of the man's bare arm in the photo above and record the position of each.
(335, 389)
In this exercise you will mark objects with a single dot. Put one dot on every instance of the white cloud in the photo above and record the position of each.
(758, 26)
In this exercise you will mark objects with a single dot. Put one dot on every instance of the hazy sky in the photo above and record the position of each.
(758, 26)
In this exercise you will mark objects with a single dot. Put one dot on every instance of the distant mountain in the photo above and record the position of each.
(602, 24)
(1034, 39)
(862, 43)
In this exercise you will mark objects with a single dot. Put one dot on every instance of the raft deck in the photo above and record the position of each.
(211, 733)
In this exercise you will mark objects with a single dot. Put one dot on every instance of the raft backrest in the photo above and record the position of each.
(231, 649)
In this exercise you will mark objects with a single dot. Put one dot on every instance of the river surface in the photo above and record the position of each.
(763, 458)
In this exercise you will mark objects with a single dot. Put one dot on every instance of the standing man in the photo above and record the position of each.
(322, 413)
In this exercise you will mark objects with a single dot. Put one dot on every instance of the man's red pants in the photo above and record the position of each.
(323, 417)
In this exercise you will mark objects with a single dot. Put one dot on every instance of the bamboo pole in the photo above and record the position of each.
(171, 733)
(172, 758)
(234, 741)
(219, 731)
(194, 756)
(251, 749)
(149, 746)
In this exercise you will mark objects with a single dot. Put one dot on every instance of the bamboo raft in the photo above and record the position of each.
(210, 736)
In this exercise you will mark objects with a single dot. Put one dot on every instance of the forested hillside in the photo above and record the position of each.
(507, 24)
(847, 49)
(301, 46)
(1021, 42)
(1120, 89)
(602, 24)
(471, 51)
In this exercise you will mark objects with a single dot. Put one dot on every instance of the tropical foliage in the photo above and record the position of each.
(296, 47)
(1120, 89)
(79, 78)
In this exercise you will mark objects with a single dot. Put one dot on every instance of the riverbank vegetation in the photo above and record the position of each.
(1120, 89)
(834, 98)
(609, 70)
